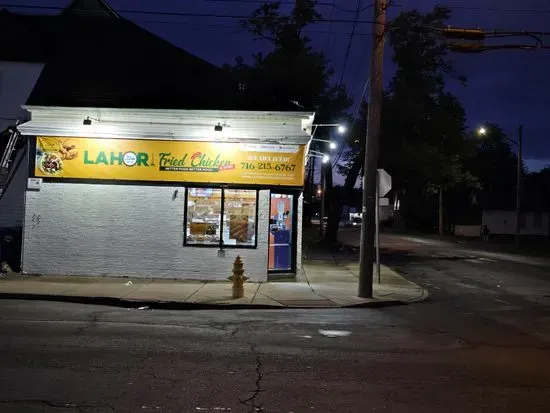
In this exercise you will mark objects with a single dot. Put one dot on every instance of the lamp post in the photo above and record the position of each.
(519, 143)
(324, 159)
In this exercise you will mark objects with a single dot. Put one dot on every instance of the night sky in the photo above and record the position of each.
(505, 87)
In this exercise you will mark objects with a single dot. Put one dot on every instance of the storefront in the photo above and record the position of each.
(173, 194)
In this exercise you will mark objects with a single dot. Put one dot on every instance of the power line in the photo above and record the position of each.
(329, 38)
(184, 14)
(472, 8)
(342, 73)
(323, 4)
(350, 42)
(238, 27)
(496, 9)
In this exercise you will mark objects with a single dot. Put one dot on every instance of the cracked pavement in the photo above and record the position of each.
(481, 343)
(252, 400)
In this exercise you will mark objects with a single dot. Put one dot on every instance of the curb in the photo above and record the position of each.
(176, 305)
(423, 297)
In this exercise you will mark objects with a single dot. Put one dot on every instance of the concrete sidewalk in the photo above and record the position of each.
(327, 285)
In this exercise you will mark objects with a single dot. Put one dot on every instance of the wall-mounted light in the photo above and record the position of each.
(87, 121)
(341, 128)
(331, 144)
(218, 127)
(316, 154)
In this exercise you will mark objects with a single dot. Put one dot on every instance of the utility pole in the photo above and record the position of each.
(370, 168)
(518, 183)
(322, 203)
(440, 212)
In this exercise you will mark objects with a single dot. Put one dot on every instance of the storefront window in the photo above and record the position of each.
(239, 217)
(219, 217)
(204, 213)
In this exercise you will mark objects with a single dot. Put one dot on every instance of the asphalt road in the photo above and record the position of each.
(479, 344)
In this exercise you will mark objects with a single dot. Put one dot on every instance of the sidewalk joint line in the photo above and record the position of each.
(195, 292)
(256, 293)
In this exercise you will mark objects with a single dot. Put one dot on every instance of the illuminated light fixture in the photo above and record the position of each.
(87, 121)
(341, 128)
(482, 131)
(326, 158)
(331, 144)
(218, 127)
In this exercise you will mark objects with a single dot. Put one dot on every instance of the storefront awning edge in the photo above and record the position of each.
(259, 127)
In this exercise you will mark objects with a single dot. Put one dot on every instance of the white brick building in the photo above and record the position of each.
(504, 222)
(84, 220)
(115, 220)
(101, 186)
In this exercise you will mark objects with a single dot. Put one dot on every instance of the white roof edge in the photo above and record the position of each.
(31, 128)
(173, 112)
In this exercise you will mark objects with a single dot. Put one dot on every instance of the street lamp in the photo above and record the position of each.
(519, 143)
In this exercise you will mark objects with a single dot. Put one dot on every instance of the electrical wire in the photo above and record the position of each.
(496, 9)
(331, 5)
(240, 28)
(183, 14)
(452, 7)
(329, 37)
(354, 27)
(342, 73)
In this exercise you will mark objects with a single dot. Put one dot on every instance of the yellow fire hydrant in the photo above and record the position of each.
(238, 278)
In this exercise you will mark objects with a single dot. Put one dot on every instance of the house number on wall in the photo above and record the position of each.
(35, 220)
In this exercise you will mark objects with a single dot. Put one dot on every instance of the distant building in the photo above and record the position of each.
(503, 222)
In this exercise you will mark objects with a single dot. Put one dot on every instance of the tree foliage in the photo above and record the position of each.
(423, 138)
(423, 141)
(292, 71)
(495, 165)
(537, 191)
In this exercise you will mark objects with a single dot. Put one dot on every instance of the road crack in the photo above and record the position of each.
(93, 319)
(251, 401)
(232, 329)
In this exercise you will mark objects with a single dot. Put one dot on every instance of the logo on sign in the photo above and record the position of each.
(129, 159)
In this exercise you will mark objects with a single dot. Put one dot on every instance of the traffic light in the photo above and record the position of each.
(466, 34)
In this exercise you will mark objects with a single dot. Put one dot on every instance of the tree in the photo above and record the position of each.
(495, 164)
(537, 191)
(292, 71)
(422, 143)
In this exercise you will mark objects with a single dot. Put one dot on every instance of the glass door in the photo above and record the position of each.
(281, 233)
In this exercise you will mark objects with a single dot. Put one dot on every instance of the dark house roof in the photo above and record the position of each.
(95, 8)
(95, 58)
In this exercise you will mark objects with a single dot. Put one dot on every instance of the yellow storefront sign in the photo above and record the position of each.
(172, 161)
